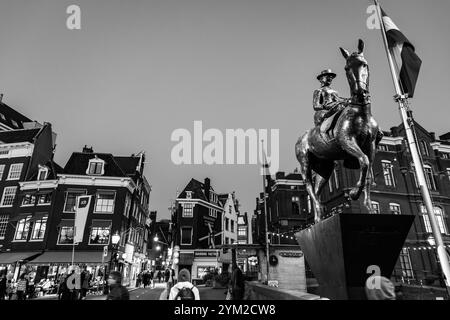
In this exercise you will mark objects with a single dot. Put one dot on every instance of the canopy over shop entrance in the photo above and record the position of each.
(13, 257)
(66, 257)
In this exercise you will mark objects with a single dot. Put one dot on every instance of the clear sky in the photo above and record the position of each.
(137, 70)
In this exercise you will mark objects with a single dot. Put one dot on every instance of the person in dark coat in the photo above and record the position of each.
(116, 290)
(167, 275)
(2, 286)
(159, 275)
(237, 283)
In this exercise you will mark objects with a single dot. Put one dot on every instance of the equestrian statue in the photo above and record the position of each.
(344, 130)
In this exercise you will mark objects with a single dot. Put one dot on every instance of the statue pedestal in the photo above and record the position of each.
(339, 250)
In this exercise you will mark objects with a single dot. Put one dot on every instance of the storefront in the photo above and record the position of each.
(12, 263)
(52, 264)
(205, 261)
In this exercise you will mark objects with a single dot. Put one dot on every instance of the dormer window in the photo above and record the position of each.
(188, 194)
(96, 167)
(42, 173)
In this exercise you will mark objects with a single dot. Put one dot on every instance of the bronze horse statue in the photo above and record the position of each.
(353, 138)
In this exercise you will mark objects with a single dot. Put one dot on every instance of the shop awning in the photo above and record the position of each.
(66, 223)
(38, 216)
(19, 217)
(186, 258)
(13, 257)
(66, 257)
(101, 223)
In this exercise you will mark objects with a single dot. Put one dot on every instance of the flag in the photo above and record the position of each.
(81, 213)
(403, 52)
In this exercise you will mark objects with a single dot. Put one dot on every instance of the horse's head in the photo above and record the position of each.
(357, 72)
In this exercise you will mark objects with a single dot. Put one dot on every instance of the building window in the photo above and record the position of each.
(22, 229)
(448, 173)
(429, 177)
(395, 208)
(376, 207)
(14, 171)
(126, 211)
(383, 147)
(229, 209)
(213, 213)
(440, 219)
(28, 200)
(2, 169)
(439, 214)
(39, 227)
(188, 194)
(71, 199)
(3, 225)
(308, 201)
(2, 116)
(96, 167)
(336, 178)
(99, 234)
(424, 148)
(405, 263)
(42, 173)
(226, 223)
(44, 199)
(242, 232)
(186, 235)
(104, 201)
(388, 173)
(232, 226)
(295, 201)
(65, 235)
(188, 210)
(330, 184)
(9, 194)
(14, 123)
(226, 240)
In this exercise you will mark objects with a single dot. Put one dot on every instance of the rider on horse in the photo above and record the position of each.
(326, 101)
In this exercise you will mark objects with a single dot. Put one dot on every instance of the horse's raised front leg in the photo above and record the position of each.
(352, 148)
(367, 199)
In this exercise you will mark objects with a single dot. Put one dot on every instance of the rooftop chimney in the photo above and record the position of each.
(88, 150)
(207, 184)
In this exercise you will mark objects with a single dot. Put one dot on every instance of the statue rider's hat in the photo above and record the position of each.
(326, 73)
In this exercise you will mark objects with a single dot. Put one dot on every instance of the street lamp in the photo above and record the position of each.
(115, 238)
(158, 247)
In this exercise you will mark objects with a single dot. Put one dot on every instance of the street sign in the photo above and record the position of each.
(105, 251)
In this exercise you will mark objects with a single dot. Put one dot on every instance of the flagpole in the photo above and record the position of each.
(265, 211)
(401, 99)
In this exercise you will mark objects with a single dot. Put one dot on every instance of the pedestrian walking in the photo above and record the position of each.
(22, 286)
(159, 275)
(85, 278)
(237, 283)
(116, 290)
(3, 286)
(151, 275)
(172, 274)
(167, 275)
(184, 289)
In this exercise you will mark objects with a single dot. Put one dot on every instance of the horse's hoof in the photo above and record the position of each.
(354, 194)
